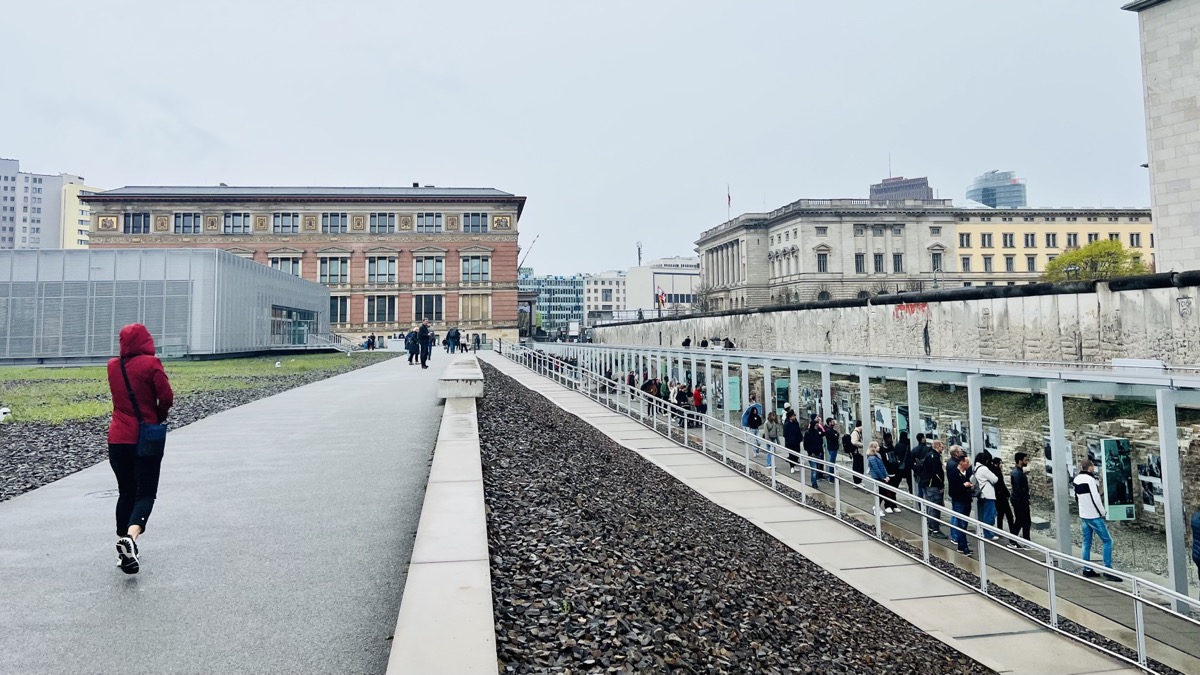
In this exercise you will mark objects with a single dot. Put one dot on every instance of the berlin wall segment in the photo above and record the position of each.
(1150, 317)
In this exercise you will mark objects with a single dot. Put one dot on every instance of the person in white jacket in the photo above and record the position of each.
(985, 479)
(1091, 517)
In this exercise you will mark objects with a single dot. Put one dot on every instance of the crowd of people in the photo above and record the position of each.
(973, 485)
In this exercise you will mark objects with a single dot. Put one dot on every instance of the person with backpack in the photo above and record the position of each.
(413, 346)
(879, 472)
(752, 420)
(1091, 518)
(427, 339)
(141, 396)
(985, 486)
(773, 430)
(1004, 511)
(831, 446)
(792, 438)
(814, 446)
(934, 475)
(891, 461)
(854, 445)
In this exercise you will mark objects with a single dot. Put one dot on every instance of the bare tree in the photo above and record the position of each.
(703, 300)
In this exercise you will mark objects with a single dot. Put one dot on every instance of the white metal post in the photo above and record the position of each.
(864, 406)
(794, 386)
(768, 390)
(914, 406)
(745, 370)
(826, 393)
(725, 388)
(1060, 463)
(975, 412)
(1172, 487)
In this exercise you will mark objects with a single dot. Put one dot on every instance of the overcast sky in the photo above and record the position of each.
(620, 121)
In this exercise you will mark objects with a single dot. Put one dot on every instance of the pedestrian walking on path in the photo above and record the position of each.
(752, 419)
(773, 430)
(142, 396)
(791, 438)
(958, 482)
(852, 443)
(425, 337)
(814, 447)
(832, 441)
(1019, 496)
(878, 471)
(934, 475)
(985, 482)
(1091, 518)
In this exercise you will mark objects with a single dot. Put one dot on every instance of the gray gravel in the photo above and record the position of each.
(32, 455)
(601, 562)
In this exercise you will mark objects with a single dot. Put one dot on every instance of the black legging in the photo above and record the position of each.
(137, 485)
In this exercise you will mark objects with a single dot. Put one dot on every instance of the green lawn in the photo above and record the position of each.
(53, 395)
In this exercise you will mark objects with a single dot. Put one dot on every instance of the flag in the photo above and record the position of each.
(728, 197)
(662, 297)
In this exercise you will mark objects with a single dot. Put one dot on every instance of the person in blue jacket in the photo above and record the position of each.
(752, 419)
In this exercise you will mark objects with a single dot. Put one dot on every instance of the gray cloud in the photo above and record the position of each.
(620, 121)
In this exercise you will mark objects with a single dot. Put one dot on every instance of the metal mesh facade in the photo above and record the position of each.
(72, 304)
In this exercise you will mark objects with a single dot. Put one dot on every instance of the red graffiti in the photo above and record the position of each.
(909, 309)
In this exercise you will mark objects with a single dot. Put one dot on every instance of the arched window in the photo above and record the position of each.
(863, 295)
(823, 296)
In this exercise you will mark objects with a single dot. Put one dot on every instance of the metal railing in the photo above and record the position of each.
(1160, 619)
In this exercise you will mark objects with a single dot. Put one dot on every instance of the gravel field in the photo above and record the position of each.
(601, 562)
(33, 454)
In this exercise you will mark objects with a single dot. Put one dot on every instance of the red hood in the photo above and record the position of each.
(136, 341)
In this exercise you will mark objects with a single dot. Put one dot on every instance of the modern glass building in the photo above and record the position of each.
(999, 190)
(58, 306)
(559, 299)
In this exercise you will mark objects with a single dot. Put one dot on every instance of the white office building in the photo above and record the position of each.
(666, 285)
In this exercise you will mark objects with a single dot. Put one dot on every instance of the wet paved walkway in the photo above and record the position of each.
(279, 543)
(968, 621)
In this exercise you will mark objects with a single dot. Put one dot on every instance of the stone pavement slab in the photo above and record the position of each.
(278, 544)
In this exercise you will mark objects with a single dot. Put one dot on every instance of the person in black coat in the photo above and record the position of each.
(904, 467)
(791, 438)
(814, 447)
(1002, 498)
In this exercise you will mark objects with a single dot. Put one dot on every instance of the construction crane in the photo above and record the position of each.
(522, 263)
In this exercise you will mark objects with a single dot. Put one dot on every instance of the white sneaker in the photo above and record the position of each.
(127, 555)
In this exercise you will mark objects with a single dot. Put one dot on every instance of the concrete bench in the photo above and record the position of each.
(463, 378)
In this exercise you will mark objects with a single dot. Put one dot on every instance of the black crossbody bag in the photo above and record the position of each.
(152, 438)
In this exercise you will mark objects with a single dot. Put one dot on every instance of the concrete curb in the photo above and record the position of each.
(446, 623)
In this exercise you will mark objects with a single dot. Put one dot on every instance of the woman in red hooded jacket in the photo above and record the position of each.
(137, 477)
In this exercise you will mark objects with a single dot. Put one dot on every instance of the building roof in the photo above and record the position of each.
(1139, 5)
(304, 193)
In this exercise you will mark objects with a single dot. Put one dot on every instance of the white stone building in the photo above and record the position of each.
(677, 278)
(603, 296)
(1170, 58)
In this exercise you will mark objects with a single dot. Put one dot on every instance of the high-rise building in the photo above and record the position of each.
(391, 257)
(559, 299)
(41, 211)
(901, 188)
(1169, 58)
(999, 190)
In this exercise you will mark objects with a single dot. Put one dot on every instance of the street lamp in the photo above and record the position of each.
(1072, 271)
